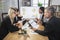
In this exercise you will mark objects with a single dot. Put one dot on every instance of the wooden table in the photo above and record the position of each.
(15, 36)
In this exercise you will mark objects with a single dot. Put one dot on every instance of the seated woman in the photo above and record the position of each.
(8, 25)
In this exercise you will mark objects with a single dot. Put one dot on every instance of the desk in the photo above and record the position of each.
(15, 36)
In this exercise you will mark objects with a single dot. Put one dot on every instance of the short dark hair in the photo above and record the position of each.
(42, 9)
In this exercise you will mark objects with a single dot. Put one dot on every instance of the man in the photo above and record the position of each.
(41, 12)
(51, 24)
(41, 15)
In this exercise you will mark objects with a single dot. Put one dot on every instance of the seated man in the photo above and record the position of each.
(51, 24)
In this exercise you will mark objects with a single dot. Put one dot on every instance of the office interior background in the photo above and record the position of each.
(5, 4)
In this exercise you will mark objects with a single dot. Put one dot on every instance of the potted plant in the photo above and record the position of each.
(39, 4)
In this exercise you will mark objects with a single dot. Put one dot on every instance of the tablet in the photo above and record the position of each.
(33, 24)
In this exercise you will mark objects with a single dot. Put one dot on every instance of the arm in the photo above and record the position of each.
(3, 30)
(12, 28)
(48, 30)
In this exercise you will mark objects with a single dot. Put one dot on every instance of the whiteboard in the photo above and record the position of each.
(29, 12)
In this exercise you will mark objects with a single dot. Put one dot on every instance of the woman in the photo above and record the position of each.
(8, 24)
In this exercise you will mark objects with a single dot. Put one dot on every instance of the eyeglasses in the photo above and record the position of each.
(14, 12)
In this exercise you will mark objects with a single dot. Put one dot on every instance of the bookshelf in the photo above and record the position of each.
(57, 7)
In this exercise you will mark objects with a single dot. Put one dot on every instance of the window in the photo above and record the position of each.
(43, 2)
(35, 3)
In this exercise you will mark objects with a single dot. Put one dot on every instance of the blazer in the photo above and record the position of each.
(16, 19)
(52, 29)
(7, 27)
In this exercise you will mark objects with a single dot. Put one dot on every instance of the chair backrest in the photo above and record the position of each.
(4, 15)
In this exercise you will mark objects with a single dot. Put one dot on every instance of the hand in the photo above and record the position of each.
(39, 21)
(19, 24)
(27, 19)
(34, 29)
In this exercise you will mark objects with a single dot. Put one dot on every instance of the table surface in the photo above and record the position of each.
(29, 36)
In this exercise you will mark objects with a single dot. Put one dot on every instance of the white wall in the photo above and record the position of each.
(13, 3)
(8, 3)
(0, 9)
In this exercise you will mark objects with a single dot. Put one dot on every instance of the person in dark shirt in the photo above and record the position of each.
(41, 12)
(51, 25)
(41, 15)
(8, 25)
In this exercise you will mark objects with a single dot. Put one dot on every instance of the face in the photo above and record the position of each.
(14, 14)
(17, 13)
(40, 11)
(47, 13)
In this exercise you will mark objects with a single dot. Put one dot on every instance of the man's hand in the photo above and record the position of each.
(38, 21)
(34, 29)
